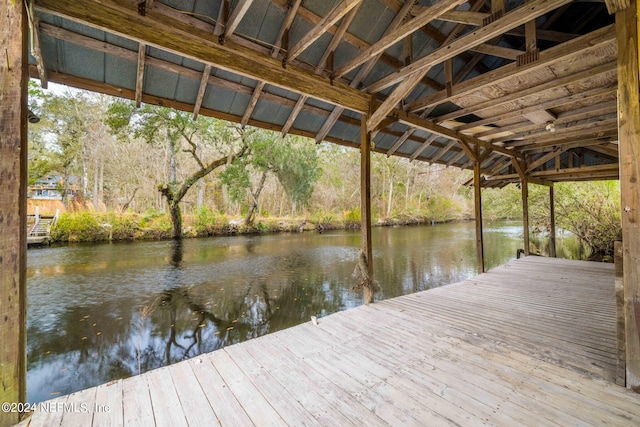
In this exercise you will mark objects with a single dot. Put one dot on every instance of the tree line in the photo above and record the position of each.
(114, 157)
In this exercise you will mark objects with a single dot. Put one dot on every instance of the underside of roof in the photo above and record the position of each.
(522, 87)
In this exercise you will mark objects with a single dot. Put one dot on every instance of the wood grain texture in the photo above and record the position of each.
(629, 147)
(13, 206)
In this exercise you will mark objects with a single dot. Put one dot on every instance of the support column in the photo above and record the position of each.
(552, 218)
(365, 204)
(13, 205)
(629, 147)
(525, 213)
(477, 187)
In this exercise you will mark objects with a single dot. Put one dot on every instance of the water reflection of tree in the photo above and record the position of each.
(183, 321)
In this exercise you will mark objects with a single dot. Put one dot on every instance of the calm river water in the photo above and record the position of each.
(107, 311)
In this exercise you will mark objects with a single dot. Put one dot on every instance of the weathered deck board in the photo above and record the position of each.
(532, 342)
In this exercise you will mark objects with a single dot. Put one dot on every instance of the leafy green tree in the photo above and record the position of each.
(591, 210)
(293, 161)
(180, 134)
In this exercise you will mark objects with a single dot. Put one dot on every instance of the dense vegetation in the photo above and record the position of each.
(151, 172)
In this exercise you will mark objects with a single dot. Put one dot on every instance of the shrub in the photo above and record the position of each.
(79, 227)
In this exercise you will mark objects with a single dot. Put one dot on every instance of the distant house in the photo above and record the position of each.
(50, 188)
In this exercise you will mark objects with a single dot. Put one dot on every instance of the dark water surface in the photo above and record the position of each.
(107, 311)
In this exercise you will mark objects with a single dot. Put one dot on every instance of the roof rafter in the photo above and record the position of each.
(401, 32)
(427, 142)
(201, 90)
(236, 16)
(591, 94)
(363, 72)
(286, 24)
(158, 30)
(580, 45)
(513, 19)
(334, 16)
(533, 90)
(337, 37)
(140, 73)
(429, 126)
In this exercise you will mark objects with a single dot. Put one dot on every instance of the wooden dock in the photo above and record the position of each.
(529, 343)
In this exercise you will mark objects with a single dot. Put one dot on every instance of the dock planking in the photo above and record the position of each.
(528, 343)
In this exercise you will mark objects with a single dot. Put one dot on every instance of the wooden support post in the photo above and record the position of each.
(620, 328)
(629, 146)
(521, 168)
(525, 213)
(365, 202)
(552, 220)
(13, 205)
(477, 187)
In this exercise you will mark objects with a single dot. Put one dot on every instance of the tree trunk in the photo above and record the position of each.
(176, 220)
(389, 202)
(95, 183)
(201, 185)
(101, 184)
(254, 204)
(85, 172)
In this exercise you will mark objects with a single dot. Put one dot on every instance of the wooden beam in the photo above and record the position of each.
(401, 141)
(337, 37)
(548, 57)
(600, 70)
(547, 35)
(462, 17)
(36, 47)
(294, 114)
(509, 21)
(539, 116)
(328, 124)
(614, 6)
(13, 206)
(427, 15)
(629, 147)
(456, 158)
(173, 35)
(589, 95)
(584, 173)
(286, 24)
(499, 51)
(363, 72)
(403, 89)
(427, 142)
(223, 14)
(545, 158)
(252, 104)
(429, 126)
(334, 16)
(443, 151)
(236, 16)
(365, 203)
(201, 90)
(140, 73)
(498, 6)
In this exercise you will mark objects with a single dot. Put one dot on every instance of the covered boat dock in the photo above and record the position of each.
(532, 92)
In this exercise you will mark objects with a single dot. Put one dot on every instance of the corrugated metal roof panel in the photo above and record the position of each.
(160, 83)
(120, 72)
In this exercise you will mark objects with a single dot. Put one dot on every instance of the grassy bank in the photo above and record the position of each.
(90, 226)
